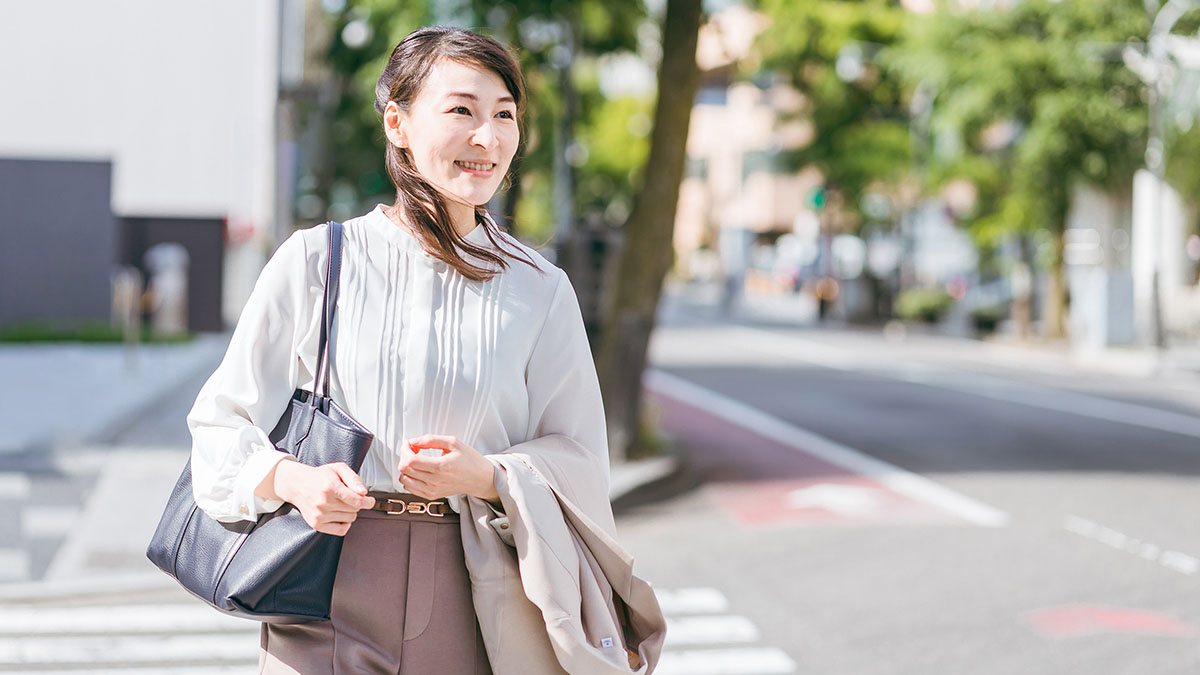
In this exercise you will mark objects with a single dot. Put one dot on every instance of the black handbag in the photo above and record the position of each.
(277, 569)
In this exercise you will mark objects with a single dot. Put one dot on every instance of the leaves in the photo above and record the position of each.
(827, 50)
(1051, 70)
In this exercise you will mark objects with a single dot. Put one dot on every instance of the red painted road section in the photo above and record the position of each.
(1081, 620)
(760, 481)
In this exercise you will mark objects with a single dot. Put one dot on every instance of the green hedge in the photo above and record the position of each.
(923, 304)
(90, 331)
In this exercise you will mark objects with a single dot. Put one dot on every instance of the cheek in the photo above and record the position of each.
(509, 143)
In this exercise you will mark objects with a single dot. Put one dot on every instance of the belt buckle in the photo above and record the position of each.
(418, 508)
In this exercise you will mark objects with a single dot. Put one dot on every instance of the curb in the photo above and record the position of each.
(629, 476)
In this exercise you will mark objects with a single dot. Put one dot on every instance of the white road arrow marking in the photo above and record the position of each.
(847, 500)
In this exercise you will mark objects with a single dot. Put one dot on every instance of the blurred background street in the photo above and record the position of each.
(895, 306)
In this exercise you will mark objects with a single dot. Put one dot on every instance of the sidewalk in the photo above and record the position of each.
(687, 303)
(68, 394)
(74, 399)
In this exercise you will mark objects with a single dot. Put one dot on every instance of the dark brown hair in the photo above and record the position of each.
(421, 203)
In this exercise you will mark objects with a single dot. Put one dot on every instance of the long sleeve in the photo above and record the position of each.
(242, 400)
(560, 378)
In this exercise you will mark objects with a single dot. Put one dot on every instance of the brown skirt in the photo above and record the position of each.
(401, 605)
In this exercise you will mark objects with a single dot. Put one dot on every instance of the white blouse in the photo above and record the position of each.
(418, 349)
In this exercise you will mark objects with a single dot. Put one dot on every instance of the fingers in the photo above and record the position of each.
(419, 487)
(336, 529)
(351, 489)
(429, 445)
(330, 522)
(434, 441)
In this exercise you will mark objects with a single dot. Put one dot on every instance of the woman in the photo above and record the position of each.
(453, 343)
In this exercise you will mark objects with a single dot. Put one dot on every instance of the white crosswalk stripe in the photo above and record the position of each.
(748, 661)
(703, 639)
(127, 619)
(180, 638)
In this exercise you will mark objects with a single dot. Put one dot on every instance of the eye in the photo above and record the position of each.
(507, 114)
(464, 109)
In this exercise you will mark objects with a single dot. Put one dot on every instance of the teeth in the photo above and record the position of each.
(476, 167)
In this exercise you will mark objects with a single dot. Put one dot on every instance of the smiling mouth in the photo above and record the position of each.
(475, 166)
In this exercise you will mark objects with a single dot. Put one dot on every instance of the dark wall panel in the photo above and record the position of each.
(60, 239)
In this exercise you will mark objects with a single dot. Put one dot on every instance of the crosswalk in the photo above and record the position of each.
(704, 638)
(42, 496)
(182, 637)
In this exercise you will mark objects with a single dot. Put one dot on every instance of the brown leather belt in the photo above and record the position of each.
(410, 506)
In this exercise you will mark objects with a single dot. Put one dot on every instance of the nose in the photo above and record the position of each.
(485, 136)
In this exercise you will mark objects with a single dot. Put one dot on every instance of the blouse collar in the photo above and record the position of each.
(407, 241)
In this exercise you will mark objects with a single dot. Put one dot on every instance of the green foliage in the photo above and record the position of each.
(352, 174)
(861, 125)
(535, 212)
(616, 135)
(923, 304)
(1041, 70)
(85, 330)
(1183, 164)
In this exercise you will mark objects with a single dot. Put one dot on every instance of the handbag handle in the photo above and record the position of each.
(333, 269)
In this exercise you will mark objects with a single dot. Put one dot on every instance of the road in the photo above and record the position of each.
(925, 506)
(851, 504)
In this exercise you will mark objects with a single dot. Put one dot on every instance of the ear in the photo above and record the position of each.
(395, 123)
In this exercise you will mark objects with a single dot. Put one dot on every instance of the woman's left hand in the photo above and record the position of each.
(459, 470)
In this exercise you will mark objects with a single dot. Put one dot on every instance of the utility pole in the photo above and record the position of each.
(1156, 70)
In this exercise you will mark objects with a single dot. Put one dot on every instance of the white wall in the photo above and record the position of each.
(179, 95)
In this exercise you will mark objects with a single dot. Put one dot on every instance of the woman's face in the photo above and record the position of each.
(461, 131)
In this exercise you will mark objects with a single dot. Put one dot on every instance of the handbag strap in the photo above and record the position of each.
(333, 273)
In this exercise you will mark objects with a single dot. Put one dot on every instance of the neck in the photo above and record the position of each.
(461, 215)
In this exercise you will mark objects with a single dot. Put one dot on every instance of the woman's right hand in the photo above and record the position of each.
(329, 497)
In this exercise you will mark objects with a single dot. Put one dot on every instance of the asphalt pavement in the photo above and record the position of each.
(895, 503)
(847, 500)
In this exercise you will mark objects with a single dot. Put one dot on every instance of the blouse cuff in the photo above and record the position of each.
(263, 458)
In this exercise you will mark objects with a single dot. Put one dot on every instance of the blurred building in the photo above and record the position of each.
(139, 122)
(733, 183)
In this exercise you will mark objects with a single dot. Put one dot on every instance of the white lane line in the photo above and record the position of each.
(1172, 560)
(746, 661)
(128, 650)
(709, 630)
(14, 564)
(984, 386)
(49, 521)
(14, 486)
(122, 619)
(893, 477)
(692, 601)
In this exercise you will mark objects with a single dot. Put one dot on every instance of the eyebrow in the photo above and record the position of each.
(473, 97)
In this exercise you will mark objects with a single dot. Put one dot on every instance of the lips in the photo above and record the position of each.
(476, 166)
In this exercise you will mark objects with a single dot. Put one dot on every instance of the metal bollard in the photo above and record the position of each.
(168, 265)
(127, 308)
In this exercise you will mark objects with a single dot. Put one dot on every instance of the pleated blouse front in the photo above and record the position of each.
(418, 349)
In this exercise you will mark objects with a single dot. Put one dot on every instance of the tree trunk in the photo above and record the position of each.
(1056, 295)
(647, 250)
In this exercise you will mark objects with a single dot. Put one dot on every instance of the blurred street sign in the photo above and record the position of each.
(816, 199)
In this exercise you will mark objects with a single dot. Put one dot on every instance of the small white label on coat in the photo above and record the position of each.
(606, 642)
